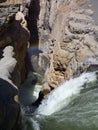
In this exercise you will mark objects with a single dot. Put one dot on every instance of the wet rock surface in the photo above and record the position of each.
(9, 109)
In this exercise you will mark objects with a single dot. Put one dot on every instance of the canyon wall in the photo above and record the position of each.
(68, 38)
(14, 32)
(63, 30)
(14, 35)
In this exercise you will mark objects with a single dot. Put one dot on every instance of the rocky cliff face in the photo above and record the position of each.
(68, 38)
(13, 31)
(14, 37)
(63, 29)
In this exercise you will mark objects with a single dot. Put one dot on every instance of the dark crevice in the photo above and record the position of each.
(32, 17)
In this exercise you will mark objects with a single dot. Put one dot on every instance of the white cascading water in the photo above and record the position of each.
(65, 93)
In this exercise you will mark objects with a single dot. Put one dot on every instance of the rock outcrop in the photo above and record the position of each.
(14, 37)
(68, 38)
(64, 31)
(13, 31)
(9, 108)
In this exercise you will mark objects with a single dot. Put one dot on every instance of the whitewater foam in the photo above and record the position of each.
(65, 93)
(35, 124)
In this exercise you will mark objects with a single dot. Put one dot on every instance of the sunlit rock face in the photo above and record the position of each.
(8, 2)
(68, 38)
(63, 30)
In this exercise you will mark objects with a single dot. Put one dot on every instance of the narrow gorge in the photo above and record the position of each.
(48, 64)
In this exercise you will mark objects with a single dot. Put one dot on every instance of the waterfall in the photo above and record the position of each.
(65, 93)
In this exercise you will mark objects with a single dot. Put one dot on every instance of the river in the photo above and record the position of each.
(76, 108)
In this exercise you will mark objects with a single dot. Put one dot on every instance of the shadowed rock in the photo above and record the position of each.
(1, 1)
(9, 109)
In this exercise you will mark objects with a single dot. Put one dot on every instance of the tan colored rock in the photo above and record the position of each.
(11, 1)
(45, 89)
(70, 39)
(60, 59)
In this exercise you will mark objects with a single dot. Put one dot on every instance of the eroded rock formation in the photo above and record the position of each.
(14, 32)
(9, 108)
(63, 30)
(68, 37)
(14, 37)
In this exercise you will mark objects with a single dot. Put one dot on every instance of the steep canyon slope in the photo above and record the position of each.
(68, 37)
(63, 29)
